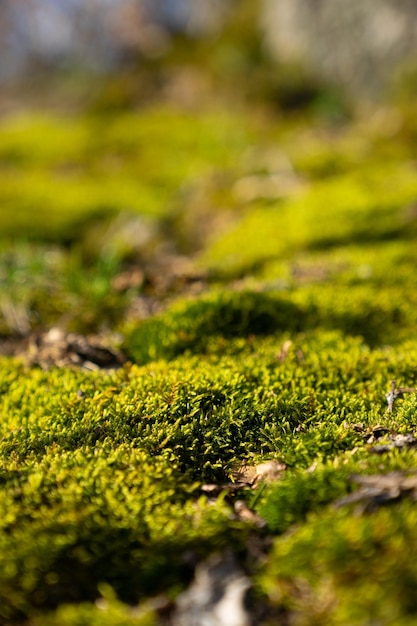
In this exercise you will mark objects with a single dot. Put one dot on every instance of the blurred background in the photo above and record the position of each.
(362, 47)
(135, 135)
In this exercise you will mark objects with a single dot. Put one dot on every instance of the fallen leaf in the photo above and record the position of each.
(264, 472)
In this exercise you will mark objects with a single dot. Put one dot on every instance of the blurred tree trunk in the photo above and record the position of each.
(360, 44)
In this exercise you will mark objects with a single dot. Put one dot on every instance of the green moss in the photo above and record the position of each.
(107, 611)
(60, 173)
(358, 569)
(103, 487)
(79, 508)
(207, 323)
(345, 210)
(283, 352)
(211, 323)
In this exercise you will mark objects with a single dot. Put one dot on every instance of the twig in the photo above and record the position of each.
(397, 392)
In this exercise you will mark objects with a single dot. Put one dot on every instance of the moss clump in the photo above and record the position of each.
(91, 167)
(358, 570)
(103, 486)
(281, 349)
(208, 323)
(349, 209)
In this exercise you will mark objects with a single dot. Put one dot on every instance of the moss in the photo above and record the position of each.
(107, 611)
(92, 167)
(345, 210)
(283, 351)
(103, 486)
(334, 585)
(199, 324)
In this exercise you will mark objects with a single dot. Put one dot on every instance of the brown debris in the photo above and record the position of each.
(377, 432)
(264, 472)
(358, 428)
(173, 273)
(247, 477)
(285, 348)
(56, 348)
(396, 442)
(213, 490)
(13, 346)
(132, 278)
(397, 392)
(380, 489)
(311, 273)
(245, 514)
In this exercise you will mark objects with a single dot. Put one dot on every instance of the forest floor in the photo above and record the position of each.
(201, 315)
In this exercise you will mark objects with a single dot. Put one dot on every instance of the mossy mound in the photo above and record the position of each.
(102, 474)
(277, 342)
(60, 175)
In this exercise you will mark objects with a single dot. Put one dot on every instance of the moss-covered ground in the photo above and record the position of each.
(259, 275)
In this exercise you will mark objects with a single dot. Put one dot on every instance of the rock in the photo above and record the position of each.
(380, 489)
(216, 597)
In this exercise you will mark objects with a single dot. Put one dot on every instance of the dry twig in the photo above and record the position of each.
(397, 392)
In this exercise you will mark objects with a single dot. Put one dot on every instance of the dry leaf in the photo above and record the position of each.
(264, 472)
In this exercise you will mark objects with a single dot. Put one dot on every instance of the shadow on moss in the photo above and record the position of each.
(81, 559)
(365, 237)
(206, 325)
(193, 325)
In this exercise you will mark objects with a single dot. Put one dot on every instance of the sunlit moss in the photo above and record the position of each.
(59, 173)
(346, 210)
(112, 476)
(358, 570)
(302, 311)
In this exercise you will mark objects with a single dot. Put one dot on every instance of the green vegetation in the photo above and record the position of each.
(258, 272)
(58, 174)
